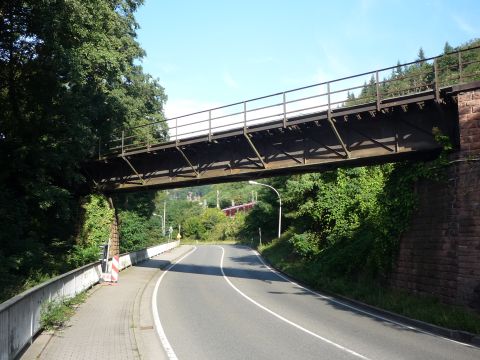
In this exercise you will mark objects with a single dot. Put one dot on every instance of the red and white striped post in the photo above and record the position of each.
(115, 267)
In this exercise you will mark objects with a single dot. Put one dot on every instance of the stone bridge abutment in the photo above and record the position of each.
(440, 253)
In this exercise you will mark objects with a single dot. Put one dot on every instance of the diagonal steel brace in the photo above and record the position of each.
(133, 169)
(187, 160)
(337, 135)
(255, 149)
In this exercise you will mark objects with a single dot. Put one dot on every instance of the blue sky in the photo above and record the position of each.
(211, 53)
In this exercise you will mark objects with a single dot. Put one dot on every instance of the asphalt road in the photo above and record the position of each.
(224, 303)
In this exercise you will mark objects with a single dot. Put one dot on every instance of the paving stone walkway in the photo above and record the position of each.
(115, 322)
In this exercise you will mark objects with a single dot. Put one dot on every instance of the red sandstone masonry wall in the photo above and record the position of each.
(440, 254)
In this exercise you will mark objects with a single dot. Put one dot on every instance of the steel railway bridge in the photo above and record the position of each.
(371, 118)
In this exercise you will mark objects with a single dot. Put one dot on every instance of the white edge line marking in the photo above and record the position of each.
(284, 319)
(279, 274)
(156, 318)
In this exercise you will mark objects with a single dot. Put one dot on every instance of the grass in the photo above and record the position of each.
(427, 309)
(54, 314)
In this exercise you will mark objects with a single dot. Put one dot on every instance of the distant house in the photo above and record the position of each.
(232, 210)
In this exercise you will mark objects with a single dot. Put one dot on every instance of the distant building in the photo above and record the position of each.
(232, 210)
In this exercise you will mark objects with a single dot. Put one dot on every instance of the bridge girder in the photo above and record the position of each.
(398, 129)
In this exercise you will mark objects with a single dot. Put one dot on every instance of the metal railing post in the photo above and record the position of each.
(460, 66)
(244, 117)
(328, 97)
(123, 141)
(176, 130)
(209, 125)
(377, 86)
(284, 111)
(437, 87)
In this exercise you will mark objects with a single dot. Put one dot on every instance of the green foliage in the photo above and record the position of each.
(54, 314)
(306, 244)
(347, 223)
(70, 74)
(97, 221)
(95, 231)
(133, 233)
(212, 225)
(194, 228)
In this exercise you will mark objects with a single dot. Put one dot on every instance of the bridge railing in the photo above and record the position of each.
(423, 75)
(20, 316)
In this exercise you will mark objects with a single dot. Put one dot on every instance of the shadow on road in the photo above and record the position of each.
(251, 268)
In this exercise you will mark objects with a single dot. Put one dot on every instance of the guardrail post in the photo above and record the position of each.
(377, 86)
(437, 87)
(123, 141)
(284, 111)
(209, 125)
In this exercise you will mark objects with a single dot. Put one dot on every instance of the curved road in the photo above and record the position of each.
(223, 302)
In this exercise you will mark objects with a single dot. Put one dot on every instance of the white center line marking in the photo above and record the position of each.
(284, 319)
(156, 318)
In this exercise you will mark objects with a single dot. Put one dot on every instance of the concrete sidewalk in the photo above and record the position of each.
(115, 322)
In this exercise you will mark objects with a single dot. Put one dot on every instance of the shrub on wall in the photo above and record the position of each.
(94, 231)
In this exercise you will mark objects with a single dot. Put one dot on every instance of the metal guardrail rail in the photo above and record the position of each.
(427, 74)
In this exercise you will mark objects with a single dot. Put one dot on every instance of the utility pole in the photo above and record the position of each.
(218, 199)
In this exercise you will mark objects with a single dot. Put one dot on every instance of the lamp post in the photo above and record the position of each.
(162, 219)
(279, 201)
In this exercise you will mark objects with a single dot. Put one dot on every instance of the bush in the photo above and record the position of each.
(95, 230)
(306, 245)
(133, 231)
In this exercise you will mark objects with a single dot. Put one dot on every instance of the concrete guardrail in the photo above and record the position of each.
(20, 315)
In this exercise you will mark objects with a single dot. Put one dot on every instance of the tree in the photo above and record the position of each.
(398, 70)
(421, 54)
(70, 75)
(447, 48)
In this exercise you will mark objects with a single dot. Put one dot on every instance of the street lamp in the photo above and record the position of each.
(162, 219)
(279, 200)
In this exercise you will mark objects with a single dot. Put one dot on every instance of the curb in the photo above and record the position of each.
(455, 335)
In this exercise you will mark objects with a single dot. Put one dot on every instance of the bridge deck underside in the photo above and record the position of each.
(357, 136)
